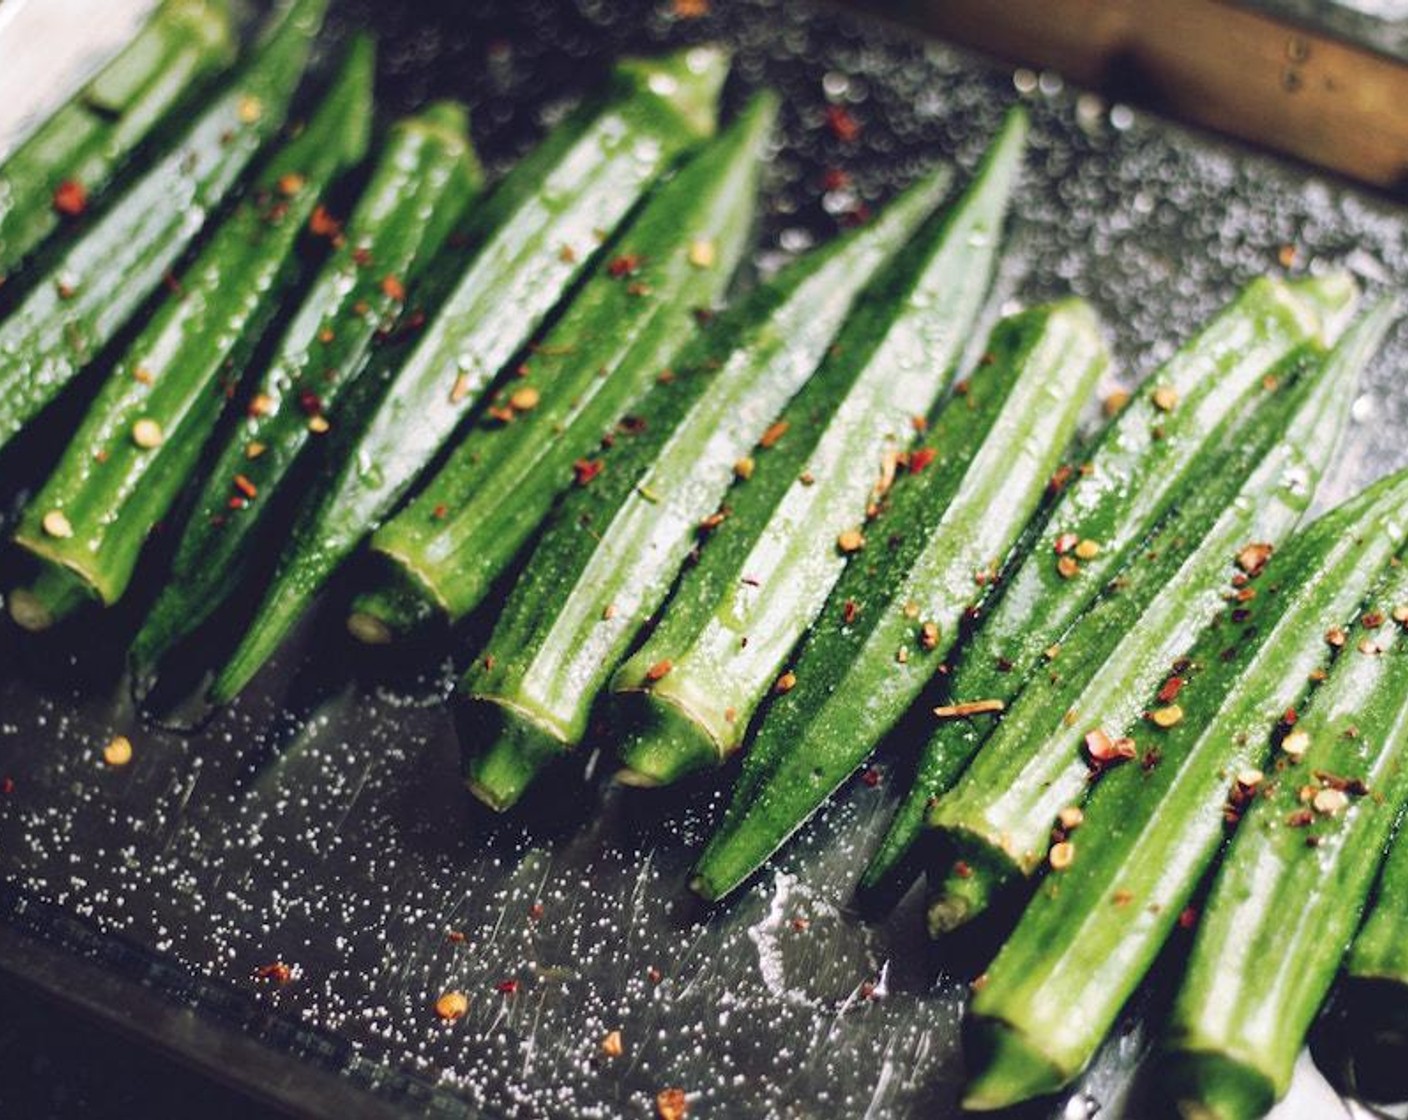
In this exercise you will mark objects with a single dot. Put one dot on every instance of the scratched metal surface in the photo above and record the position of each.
(319, 822)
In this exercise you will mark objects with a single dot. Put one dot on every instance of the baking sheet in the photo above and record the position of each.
(319, 822)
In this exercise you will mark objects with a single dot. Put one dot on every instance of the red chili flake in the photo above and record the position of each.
(921, 459)
(70, 199)
(278, 972)
(1373, 620)
(835, 179)
(1301, 818)
(659, 670)
(310, 402)
(691, 9)
(506, 987)
(393, 288)
(800, 924)
(1189, 918)
(535, 911)
(584, 470)
(962, 870)
(654, 975)
(322, 224)
(456, 937)
(776, 430)
(624, 265)
(1172, 687)
(1290, 717)
(245, 487)
(867, 989)
(237, 503)
(871, 777)
(7, 785)
(849, 610)
(440, 512)
(1065, 542)
(1058, 480)
(843, 126)
(1103, 751)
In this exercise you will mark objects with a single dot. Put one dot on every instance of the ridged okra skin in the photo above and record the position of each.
(608, 559)
(1150, 832)
(774, 558)
(68, 162)
(424, 178)
(1293, 886)
(443, 552)
(76, 307)
(993, 826)
(536, 233)
(893, 617)
(1146, 457)
(143, 435)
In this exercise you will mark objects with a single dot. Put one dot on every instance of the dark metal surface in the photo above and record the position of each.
(320, 822)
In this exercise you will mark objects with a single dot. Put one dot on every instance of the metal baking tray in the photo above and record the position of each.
(320, 822)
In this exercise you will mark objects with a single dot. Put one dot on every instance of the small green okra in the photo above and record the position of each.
(773, 560)
(891, 621)
(536, 233)
(1293, 885)
(1131, 479)
(143, 434)
(424, 178)
(77, 307)
(1150, 832)
(994, 824)
(442, 553)
(609, 557)
(69, 161)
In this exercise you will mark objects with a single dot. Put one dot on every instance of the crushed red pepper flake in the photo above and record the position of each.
(1102, 750)
(393, 288)
(1372, 620)
(1067, 567)
(245, 487)
(870, 777)
(850, 609)
(70, 198)
(842, 124)
(659, 670)
(775, 431)
(921, 458)
(321, 223)
(1336, 637)
(1064, 542)
(1188, 918)
(1253, 557)
(1058, 481)
(276, 971)
(584, 470)
(671, 1104)
(1170, 690)
(452, 1006)
(969, 708)
(624, 265)
(507, 987)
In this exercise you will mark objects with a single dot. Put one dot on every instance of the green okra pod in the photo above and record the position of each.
(895, 613)
(537, 231)
(425, 176)
(738, 613)
(608, 559)
(144, 433)
(443, 552)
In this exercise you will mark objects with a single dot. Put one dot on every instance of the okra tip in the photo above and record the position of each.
(397, 607)
(662, 741)
(1006, 1067)
(688, 81)
(55, 594)
(977, 875)
(1202, 1085)
(504, 749)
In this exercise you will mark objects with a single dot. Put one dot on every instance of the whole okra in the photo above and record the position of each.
(1294, 883)
(896, 612)
(94, 287)
(1138, 467)
(1150, 832)
(144, 433)
(442, 553)
(607, 560)
(425, 177)
(774, 558)
(994, 825)
(536, 233)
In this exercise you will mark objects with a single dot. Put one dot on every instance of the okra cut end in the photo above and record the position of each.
(1006, 1067)
(54, 595)
(662, 742)
(396, 608)
(977, 876)
(1206, 1086)
(504, 750)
